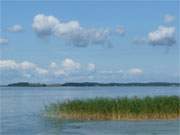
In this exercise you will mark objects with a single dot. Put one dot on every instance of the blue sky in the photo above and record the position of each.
(89, 41)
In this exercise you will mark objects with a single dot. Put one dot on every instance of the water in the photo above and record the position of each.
(21, 112)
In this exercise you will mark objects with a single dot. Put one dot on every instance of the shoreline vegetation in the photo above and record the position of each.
(90, 84)
(134, 108)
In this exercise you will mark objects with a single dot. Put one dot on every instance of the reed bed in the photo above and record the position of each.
(159, 107)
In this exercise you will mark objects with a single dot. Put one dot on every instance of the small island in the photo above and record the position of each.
(26, 84)
(147, 108)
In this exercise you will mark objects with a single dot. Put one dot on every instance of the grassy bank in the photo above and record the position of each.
(160, 107)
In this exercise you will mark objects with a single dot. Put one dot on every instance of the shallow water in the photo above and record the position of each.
(21, 112)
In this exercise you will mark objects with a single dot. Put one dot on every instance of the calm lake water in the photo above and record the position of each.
(21, 112)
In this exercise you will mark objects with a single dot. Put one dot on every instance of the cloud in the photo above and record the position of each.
(26, 65)
(135, 71)
(8, 64)
(12, 70)
(15, 28)
(91, 67)
(66, 70)
(169, 18)
(86, 37)
(59, 72)
(53, 65)
(3, 41)
(23, 66)
(121, 30)
(71, 31)
(69, 64)
(164, 36)
(44, 25)
(41, 71)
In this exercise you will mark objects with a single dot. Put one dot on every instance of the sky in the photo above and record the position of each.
(97, 41)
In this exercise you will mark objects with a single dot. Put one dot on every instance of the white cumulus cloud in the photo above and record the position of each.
(71, 31)
(44, 25)
(162, 36)
(69, 64)
(67, 69)
(135, 71)
(41, 71)
(12, 70)
(8, 64)
(15, 28)
(26, 65)
(21, 66)
(3, 41)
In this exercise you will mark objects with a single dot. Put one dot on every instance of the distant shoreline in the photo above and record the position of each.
(90, 84)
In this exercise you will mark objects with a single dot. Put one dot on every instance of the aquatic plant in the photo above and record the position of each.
(124, 108)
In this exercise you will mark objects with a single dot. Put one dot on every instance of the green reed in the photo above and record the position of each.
(159, 107)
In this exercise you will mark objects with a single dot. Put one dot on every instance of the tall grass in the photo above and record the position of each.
(159, 107)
